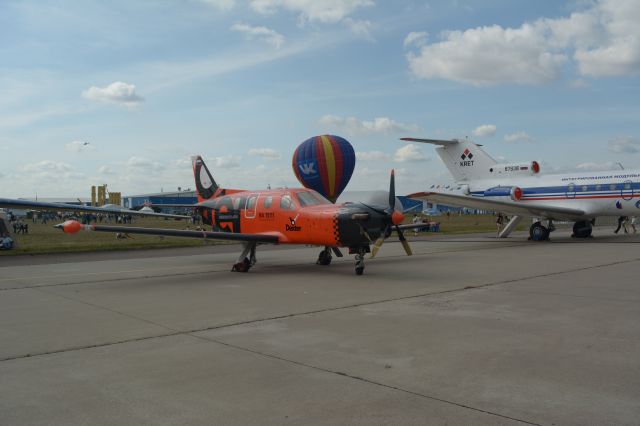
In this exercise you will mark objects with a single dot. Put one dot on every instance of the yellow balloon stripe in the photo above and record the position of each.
(331, 164)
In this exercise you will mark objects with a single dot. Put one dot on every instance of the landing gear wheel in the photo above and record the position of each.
(582, 229)
(324, 258)
(242, 266)
(538, 232)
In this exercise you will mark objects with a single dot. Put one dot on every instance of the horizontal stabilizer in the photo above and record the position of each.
(431, 141)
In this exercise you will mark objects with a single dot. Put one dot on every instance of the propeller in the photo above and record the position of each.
(395, 218)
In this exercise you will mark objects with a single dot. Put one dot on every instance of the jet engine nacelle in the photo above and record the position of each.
(516, 169)
(513, 192)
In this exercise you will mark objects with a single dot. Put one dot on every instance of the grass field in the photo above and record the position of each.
(46, 239)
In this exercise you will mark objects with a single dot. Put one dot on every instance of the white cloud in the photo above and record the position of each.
(224, 5)
(354, 126)
(360, 28)
(1, 175)
(47, 171)
(372, 156)
(144, 165)
(603, 40)
(79, 146)
(520, 136)
(416, 38)
(485, 130)
(267, 153)
(488, 55)
(325, 11)
(261, 33)
(624, 145)
(106, 170)
(117, 92)
(409, 153)
(225, 162)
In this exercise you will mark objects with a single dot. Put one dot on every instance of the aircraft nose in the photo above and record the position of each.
(397, 218)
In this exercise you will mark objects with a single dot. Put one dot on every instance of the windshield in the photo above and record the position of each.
(310, 198)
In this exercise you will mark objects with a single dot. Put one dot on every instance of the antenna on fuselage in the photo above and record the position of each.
(620, 164)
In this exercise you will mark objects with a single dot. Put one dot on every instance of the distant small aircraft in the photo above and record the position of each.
(60, 207)
(282, 216)
(521, 190)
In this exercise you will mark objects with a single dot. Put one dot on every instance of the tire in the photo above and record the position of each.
(359, 270)
(537, 232)
(582, 229)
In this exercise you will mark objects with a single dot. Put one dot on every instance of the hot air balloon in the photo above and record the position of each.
(325, 164)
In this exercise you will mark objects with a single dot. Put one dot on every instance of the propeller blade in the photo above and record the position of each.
(392, 191)
(404, 242)
(376, 246)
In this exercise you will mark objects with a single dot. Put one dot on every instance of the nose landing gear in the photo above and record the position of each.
(360, 252)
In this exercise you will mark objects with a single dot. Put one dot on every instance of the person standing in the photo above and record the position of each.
(415, 221)
(633, 224)
(621, 220)
(499, 222)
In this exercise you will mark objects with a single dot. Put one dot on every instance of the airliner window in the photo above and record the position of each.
(236, 203)
(584, 188)
(627, 186)
(571, 188)
(598, 187)
(612, 187)
(267, 202)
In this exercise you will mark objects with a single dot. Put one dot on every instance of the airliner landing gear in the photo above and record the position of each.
(325, 256)
(582, 229)
(246, 259)
(539, 232)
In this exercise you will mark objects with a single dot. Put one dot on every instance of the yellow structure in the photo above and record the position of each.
(100, 196)
(115, 198)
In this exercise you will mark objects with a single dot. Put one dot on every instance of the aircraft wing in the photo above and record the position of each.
(39, 205)
(72, 227)
(522, 208)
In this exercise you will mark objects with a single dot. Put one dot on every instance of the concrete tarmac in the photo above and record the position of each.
(469, 330)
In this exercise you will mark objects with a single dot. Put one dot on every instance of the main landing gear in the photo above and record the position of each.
(539, 232)
(246, 259)
(582, 229)
(324, 258)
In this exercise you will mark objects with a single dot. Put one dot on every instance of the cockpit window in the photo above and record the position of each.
(286, 203)
(310, 199)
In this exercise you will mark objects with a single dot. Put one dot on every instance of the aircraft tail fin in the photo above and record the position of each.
(206, 186)
(465, 159)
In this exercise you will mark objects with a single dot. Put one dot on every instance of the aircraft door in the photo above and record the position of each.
(627, 190)
(251, 206)
(571, 190)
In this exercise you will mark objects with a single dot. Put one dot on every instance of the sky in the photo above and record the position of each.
(124, 92)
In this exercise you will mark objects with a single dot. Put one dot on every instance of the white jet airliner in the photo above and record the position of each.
(519, 189)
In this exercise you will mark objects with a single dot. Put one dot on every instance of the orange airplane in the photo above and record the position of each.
(282, 216)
